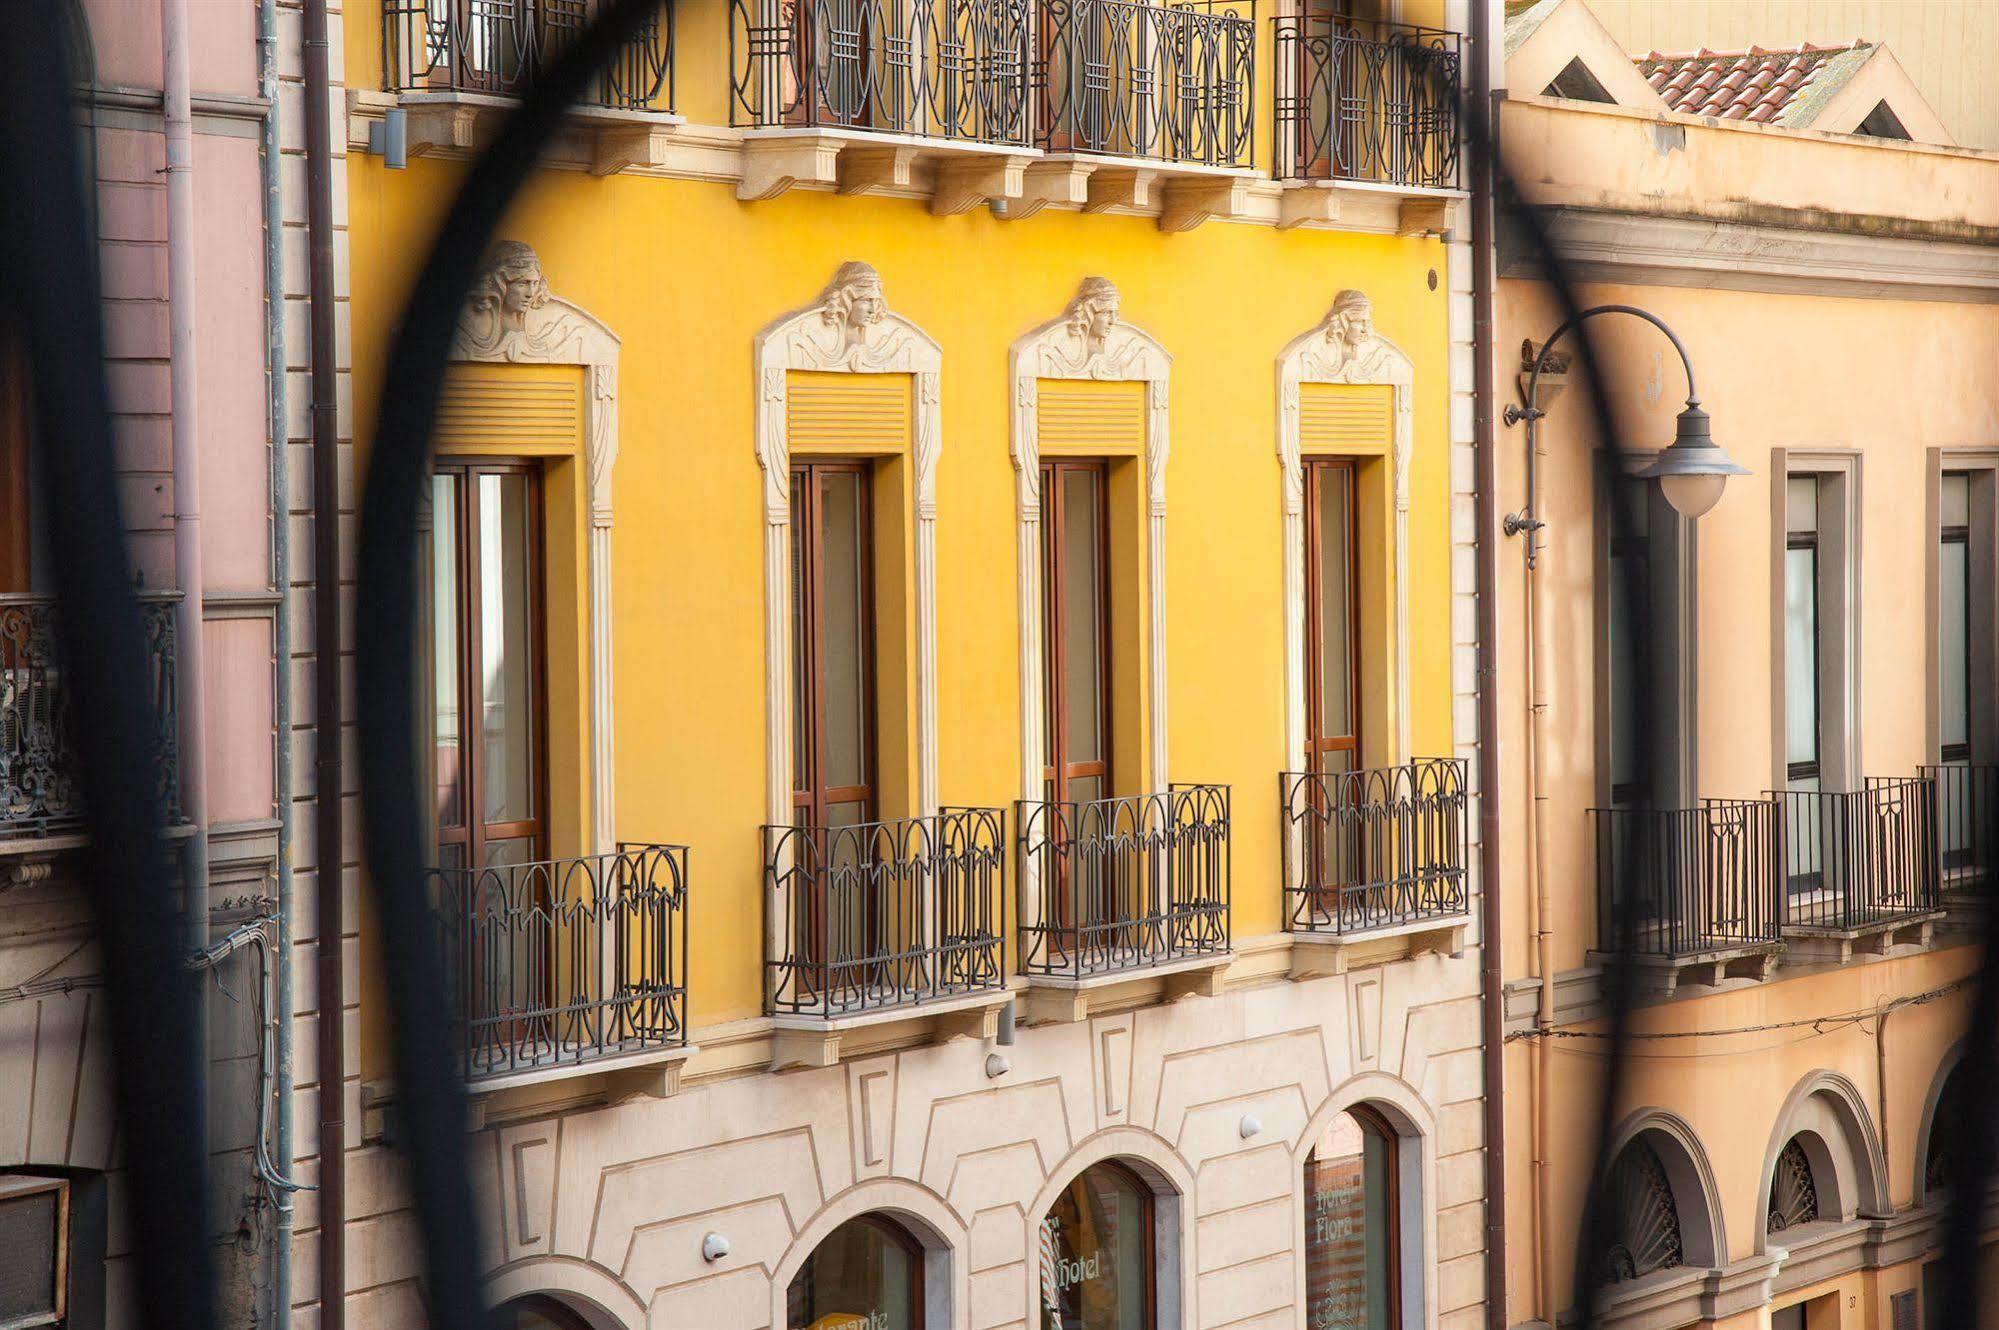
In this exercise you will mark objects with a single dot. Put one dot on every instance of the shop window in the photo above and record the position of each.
(866, 1275)
(833, 644)
(1097, 1253)
(1353, 1224)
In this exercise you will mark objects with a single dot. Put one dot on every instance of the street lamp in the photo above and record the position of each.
(1691, 472)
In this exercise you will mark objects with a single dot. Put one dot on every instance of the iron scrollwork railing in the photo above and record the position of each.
(565, 961)
(1697, 879)
(1132, 79)
(499, 47)
(1375, 847)
(39, 790)
(1854, 858)
(1124, 883)
(950, 69)
(1967, 819)
(880, 915)
(1363, 100)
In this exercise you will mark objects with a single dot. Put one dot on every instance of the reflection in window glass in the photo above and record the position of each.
(1096, 1253)
(506, 665)
(1954, 617)
(1350, 1226)
(866, 1275)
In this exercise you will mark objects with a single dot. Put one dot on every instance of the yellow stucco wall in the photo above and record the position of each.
(686, 275)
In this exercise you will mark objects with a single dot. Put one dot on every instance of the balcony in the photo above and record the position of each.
(1692, 891)
(1860, 867)
(1365, 106)
(39, 794)
(883, 920)
(454, 66)
(1123, 78)
(567, 966)
(1113, 889)
(1379, 851)
(1967, 822)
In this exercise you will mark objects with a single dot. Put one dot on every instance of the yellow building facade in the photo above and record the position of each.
(936, 533)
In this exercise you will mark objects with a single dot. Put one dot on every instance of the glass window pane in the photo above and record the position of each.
(1095, 1253)
(1801, 655)
(506, 658)
(447, 741)
(1954, 640)
(801, 646)
(1957, 499)
(1082, 609)
(1801, 503)
(860, 1276)
(1335, 603)
(844, 627)
(1349, 1208)
(1627, 572)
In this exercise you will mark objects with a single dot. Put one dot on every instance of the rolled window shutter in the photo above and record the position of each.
(1345, 418)
(504, 409)
(859, 412)
(1090, 415)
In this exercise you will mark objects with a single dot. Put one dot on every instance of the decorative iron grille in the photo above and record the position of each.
(1794, 1192)
(1363, 100)
(565, 961)
(1859, 857)
(885, 914)
(1967, 816)
(1131, 79)
(950, 69)
(1644, 1217)
(1124, 883)
(1696, 879)
(1374, 848)
(500, 47)
(39, 792)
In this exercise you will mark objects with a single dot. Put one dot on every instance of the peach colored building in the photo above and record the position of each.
(1819, 674)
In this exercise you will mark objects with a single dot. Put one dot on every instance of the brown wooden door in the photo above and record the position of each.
(1075, 550)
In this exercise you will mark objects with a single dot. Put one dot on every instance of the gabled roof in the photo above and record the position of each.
(1780, 86)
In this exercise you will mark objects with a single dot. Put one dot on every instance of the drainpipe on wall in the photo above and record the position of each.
(176, 103)
(1491, 958)
(281, 640)
(329, 782)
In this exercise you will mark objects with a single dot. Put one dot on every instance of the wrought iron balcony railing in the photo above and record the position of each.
(565, 961)
(1131, 79)
(1373, 848)
(1689, 881)
(1125, 883)
(949, 69)
(39, 792)
(880, 915)
(1967, 821)
(1368, 101)
(499, 47)
(1856, 858)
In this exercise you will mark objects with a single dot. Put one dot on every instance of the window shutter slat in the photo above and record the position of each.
(1344, 418)
(504, 409)
(866, 412)
(1091, 415)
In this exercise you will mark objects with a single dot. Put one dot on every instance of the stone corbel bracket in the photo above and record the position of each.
(603, 140)
(961, 176)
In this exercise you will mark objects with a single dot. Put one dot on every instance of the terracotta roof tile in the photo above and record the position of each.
(1758, 85)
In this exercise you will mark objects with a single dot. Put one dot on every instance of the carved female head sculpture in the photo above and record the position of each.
(853, 302)
(511, 285)
(1093, 312)
(1350, 325)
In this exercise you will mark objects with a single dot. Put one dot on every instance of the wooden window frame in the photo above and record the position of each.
(1372, 1119)
(1058, 771)
(1958, 535)
(809, 799)
(16, 499)
(1317, 742)
(476, 834)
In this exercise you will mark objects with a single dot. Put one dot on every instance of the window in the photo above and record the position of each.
(18, 536)
(867, 1274)
(832, 645)
(1332, 618)
(1803, 596)
(1628, 594)
(1075, 552)
(1352, 1225)
(1576, 83)
(1645, 1217)
(1883, 123)
(536, 1312)
(1097, 1253)
(1954, 620)
(34, 1255)
(1794, 1193)
(487, 684)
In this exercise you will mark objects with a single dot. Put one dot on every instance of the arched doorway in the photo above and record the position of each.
(1353, 1223)
(1098, 1253)
(866, 1275)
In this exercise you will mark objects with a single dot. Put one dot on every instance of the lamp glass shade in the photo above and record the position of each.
(1692, 495)
(1692, 472)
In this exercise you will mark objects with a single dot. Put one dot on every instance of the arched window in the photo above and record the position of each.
(1645, 1218)
(1353, 1224)
(868, 1273)
(1096, 1253)
(535, 1312)
(1794, 1192)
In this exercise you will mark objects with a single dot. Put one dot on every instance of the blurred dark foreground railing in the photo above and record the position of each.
(1124, 883)
(565, 961)
(1857, 858)
(39, 777)
(1374, 848)
(1688, 881)
(500, 47)
(880, 915)
(1367, 101)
